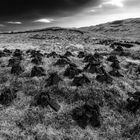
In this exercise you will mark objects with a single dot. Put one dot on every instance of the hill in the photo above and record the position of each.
(128, 29)
(71, 84)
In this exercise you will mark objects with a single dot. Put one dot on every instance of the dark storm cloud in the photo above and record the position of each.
(27, 9)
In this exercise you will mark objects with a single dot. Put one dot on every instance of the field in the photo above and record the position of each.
(71, 84)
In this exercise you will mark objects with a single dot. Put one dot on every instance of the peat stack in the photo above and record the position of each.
(101, 70)
(87, 115)
(81, 54)
(119, 49)
(43, 100)
(37, 60)
(2, 54)
(133, 103)
(122, 44)
(62, 62)
(7, 96)
(104, 78)
(29, 51)
(71, 72)
(138, 70)
(18, 53)
(68, 54)
(53, 79)
(37, 71)
(92, 67)
(116, 65)
(7, 52)
(72, 65)
(16, 69)
(89, 58)
(80, 80)
(35, 53)
(115, 73)
(13, 61)
(112, 58)
(52, 54)
(97, 57)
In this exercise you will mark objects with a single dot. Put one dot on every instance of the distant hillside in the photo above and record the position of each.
(121, 29)
(44, 29)
(128, 29)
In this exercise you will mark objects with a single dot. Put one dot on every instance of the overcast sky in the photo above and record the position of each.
(31, 14)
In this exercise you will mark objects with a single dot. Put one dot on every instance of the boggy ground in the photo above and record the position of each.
(69, 85)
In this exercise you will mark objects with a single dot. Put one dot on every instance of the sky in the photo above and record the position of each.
(22, 15)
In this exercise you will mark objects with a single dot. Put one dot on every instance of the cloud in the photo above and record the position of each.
(116, 3)
(14, 22)
(111, 3)
(2, 25)
(93, 10)
(132, 3)
(44, 20)
(106, 5)
(31, 9)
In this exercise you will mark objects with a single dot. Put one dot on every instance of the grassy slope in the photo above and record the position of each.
(43, 124)
(123, 29)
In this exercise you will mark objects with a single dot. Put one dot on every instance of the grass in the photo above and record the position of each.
(22, 120)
